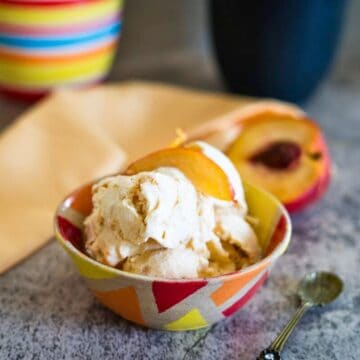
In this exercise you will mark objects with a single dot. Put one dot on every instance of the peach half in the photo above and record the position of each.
(211, 172)
(285, 154)
(222, 131)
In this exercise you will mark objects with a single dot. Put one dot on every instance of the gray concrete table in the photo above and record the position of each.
(46, 311)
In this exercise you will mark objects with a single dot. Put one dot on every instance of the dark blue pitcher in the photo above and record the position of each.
(275, 48)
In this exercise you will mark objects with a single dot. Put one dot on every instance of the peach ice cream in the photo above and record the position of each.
(156, 222)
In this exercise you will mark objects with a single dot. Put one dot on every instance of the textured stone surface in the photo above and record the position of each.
(46, 311)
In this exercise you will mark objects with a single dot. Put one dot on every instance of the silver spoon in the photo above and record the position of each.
(315, 289)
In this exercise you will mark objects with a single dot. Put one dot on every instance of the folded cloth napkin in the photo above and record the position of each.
(72, 137)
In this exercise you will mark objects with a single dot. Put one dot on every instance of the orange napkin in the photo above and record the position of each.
(75, 136)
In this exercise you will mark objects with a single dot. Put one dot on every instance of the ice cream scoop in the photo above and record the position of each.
(158, 223)
(146, 211)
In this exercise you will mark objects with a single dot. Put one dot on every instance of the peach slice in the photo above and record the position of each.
(220, 132)
(206, 175)
(227, 167)
(285, 154)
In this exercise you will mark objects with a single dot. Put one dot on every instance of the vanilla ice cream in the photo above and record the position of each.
(156, 223)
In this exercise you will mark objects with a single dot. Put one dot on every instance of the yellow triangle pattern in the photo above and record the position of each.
(191, 320)
(266, 210)
(90, 270)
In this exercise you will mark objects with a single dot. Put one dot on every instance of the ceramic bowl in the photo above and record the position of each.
(56, 43)
(174, 304)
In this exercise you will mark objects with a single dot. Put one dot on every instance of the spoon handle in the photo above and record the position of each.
(273, 351)
(279, 342)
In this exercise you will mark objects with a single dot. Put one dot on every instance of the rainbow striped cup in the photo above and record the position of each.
(174, 305)
(47, 44)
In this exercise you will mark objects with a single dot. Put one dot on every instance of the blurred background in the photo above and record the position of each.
(172, 42)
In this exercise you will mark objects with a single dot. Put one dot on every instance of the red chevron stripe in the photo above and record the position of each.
(70, 232)
(170, 293)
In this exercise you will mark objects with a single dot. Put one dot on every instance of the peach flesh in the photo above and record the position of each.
(207, 176)
(298, 177)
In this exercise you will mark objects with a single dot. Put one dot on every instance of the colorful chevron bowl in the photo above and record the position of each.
(46, 44)
(168, 304)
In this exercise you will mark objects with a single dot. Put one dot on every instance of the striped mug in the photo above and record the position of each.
(47, 44)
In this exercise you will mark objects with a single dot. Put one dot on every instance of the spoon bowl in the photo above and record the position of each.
(320, 288)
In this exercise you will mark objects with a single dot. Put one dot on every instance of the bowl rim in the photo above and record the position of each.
(269, 259)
